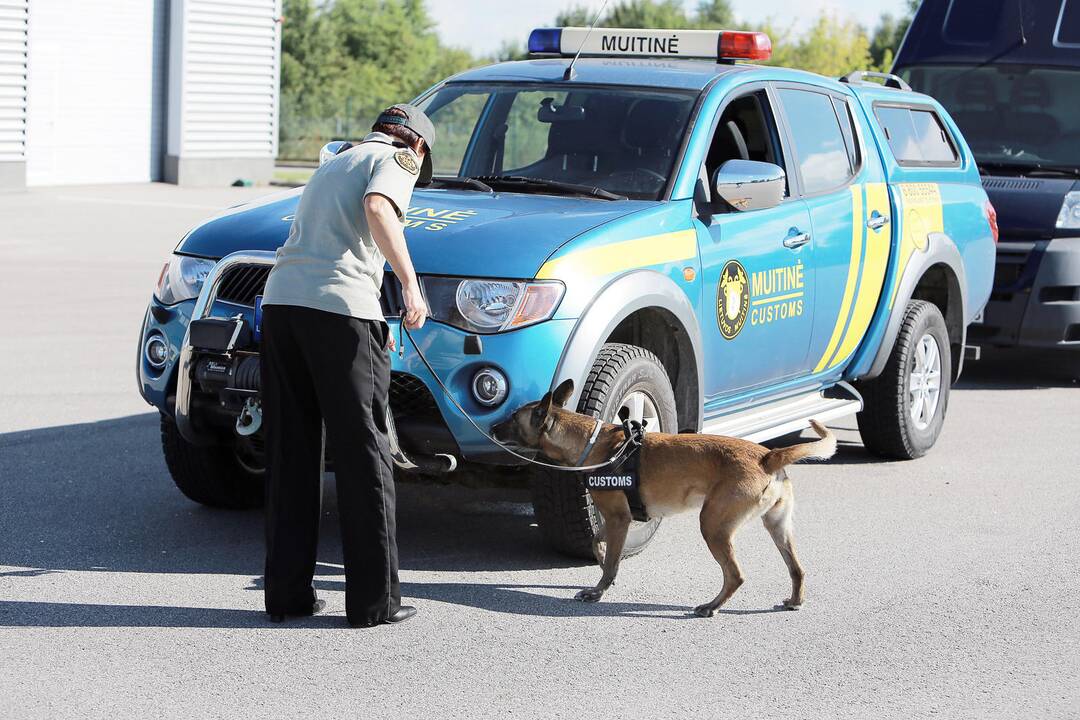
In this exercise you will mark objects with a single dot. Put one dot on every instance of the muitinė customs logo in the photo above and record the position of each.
(407, 162)
(732, 299)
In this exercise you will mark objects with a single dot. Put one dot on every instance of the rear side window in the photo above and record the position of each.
(1067, 33)
(916, 136)
(972, 22)
(824, 159)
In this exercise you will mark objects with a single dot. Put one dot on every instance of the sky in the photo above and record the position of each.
(482, 25)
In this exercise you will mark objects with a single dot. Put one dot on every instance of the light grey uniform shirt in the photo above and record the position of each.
(330, 261)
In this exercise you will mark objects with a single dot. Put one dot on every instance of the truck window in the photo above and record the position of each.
(972, 22)
(824, 159)
(916, 136)
(746, 131)
(847, 126)
(1067, 33)
(527, 137)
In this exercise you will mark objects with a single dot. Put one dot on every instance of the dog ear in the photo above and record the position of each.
(563, 392)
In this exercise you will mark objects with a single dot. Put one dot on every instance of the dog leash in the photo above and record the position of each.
(631, 428)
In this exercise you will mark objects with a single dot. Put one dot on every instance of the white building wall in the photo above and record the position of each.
(91, 100)
(224, 66)
(14, 17)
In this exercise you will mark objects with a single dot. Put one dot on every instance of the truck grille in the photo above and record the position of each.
(409, 397)
(242, 283)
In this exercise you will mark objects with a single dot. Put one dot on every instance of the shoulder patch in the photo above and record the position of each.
(406, 160)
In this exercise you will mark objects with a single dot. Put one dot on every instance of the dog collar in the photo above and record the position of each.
(592, 441)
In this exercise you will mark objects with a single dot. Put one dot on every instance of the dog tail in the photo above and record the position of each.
(822, 449)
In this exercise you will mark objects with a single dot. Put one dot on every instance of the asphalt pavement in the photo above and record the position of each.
(941, 587)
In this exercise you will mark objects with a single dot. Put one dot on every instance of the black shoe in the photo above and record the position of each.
(403, 613)
(316, 607)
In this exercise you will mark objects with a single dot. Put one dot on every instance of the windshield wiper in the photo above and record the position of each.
(521, 180)
(463, 182)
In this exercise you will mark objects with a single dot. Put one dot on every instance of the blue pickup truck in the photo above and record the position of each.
(709, 245)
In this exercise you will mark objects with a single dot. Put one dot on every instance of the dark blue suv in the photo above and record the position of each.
(1009, 73)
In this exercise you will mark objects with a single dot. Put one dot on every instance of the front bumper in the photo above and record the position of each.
(427, 422)
(1036, 297)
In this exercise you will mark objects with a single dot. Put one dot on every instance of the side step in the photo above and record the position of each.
(780, 417)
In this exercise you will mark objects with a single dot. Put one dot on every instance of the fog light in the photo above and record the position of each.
(489, 387)
(157, 351)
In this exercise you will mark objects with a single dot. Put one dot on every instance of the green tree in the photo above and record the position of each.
(345, 60)
(715, 14)
(888, 35)
(831, 47)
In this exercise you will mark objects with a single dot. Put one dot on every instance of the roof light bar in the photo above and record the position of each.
(622, 42)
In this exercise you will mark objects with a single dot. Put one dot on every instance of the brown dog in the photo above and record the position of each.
(731, 480)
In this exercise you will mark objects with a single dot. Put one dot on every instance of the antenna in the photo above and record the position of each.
(569, 74)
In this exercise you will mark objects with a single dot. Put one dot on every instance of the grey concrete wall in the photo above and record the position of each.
(13, 175)
(218, 172)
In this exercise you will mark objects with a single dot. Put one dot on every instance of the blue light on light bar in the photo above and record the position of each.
(545, 41)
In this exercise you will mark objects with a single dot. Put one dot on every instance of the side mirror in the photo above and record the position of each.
(750, 185)
(333, 148)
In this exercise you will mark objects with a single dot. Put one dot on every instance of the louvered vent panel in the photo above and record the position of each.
(1004, 184)
(13, 26)
(231, 77)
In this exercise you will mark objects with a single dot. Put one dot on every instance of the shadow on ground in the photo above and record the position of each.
(1021, 369)
(97, 496)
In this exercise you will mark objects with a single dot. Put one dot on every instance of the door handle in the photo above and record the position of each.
(877, 221)
(797, 240)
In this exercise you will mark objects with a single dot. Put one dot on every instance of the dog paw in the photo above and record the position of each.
(705, 610)
(790, 604)
(589, 595)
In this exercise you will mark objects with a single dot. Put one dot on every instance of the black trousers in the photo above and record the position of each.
(320, 367)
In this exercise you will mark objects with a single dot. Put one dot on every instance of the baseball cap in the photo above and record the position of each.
(418, 122)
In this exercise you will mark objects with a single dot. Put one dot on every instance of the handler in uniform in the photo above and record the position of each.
(325, 359)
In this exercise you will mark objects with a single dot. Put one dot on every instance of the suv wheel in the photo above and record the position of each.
(216, 476)
(626, 381)
(904, 408)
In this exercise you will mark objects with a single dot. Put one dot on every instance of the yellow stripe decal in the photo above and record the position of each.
(853, 273)
(878, 244)
(625, 255)
(920, 208)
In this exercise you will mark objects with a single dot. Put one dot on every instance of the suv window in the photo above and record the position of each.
(916, 136)
(1068, 28)
(824, 159)
(745, 131)
(972, 22)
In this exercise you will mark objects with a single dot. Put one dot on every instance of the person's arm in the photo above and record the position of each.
(389, 237)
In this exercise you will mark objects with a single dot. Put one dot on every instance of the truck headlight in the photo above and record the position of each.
(182, 278)
(490, 306)
(1069, 217)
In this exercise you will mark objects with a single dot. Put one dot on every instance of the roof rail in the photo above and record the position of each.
(891, 81)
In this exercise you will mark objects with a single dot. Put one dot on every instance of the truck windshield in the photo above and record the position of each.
(618, 139)
(1015, 117)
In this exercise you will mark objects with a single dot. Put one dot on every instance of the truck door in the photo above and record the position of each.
(758, 278)
(849, 218)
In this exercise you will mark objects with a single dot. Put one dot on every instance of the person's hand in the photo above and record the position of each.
(415, 308)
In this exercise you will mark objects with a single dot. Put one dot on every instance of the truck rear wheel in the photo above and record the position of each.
(215, 476)
(904, 408)
(625, 381)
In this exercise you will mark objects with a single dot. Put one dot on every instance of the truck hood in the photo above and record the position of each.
(449, 232)
(1027, 208)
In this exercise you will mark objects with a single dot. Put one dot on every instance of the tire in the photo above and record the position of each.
(563, 507)
(887, 421)
(213, 476)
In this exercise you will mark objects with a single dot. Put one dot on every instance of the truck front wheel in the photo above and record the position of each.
(625, 381)
(904, 408)
(214, 476)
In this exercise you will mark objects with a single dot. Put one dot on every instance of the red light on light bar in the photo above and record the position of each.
(745, 45)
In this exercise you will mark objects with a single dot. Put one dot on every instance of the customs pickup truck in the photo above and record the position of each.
(708, 245)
